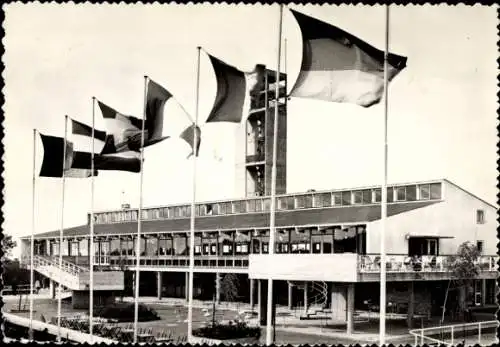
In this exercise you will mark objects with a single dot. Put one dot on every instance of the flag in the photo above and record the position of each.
(156, 98)
(188, 136)
(124, 132)
(104, 158)
(53, 164)
(339, 67)
(232, 90)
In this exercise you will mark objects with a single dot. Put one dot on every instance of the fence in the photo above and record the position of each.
(449, 334)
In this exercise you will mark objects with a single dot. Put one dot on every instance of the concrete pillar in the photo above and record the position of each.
(483, 292)
(350, 308)
(259, 299)
(186, 287)
(159, 284)
(52, 289)
(339, 303)
(251, 293)
(217, 287)
(411, 305)
(290, 292)
(306, 304)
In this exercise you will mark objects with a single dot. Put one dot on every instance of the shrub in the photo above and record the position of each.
(237, 330)
(124, 312)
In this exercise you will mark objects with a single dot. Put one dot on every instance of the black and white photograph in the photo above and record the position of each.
(281, 174)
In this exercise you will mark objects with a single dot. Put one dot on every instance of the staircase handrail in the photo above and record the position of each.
(66, 265)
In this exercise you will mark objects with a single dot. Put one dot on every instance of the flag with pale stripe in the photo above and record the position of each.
(156, 98)
(339, 67)
(104, 157)
(233, 88)
(53, 164)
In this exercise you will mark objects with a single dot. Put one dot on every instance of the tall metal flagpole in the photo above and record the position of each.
(32, 241)
(269, 330)
(193, 206)
(383, 217)
(91, 294)
(139, 217)
(61, 230)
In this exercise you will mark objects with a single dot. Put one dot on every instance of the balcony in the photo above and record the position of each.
(255, 158)
(204, 263)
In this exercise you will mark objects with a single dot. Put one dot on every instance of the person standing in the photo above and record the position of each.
(37, 286)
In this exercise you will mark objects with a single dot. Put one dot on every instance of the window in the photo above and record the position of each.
(424, 192)
(376, 195)
(197, 249)
(400, 193)
(411, 193)
(337, 198)
(357, 197)
(480, 216)
(226, 249)
(435, 189)
(480, 246)
(367, 196)
(213, 249)
(346, 198)
(323, 200)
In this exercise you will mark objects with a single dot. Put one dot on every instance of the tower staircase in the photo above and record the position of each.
(317, 300)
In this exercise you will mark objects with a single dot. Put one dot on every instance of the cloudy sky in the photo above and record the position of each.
(442, 114)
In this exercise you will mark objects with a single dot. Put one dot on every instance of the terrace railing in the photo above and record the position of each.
(183, 261)
(449, 335)
(426, 263)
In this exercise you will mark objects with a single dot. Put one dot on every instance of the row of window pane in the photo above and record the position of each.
(367, 196)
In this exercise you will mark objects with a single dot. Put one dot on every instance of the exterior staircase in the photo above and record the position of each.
(317, 298)
(75, 277)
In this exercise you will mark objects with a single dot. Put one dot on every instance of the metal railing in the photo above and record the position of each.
(451, 332)
(182, 261)
(67, 267)
(426, 263)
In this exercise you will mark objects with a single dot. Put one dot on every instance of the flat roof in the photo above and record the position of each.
(255, 220)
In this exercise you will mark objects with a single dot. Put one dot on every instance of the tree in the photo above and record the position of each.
(464, 269)
(228, 288)
(8, 244)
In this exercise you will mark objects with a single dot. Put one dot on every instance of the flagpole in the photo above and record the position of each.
(383, 217)
(91, 294)
(193, 206)
(139, 217)
(269, 329)
(61, 230)
(32, 241)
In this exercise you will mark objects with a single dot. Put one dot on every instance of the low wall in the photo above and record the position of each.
(68, 334)
(242, 341)
(81, 300)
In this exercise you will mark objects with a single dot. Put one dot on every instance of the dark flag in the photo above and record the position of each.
(156, 98)
(339, 67)
(188, 136)
(53, 164)
(232, 90)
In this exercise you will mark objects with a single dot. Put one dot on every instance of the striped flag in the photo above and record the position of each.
(104, 157)
(53, 164)
(233, 88)
(339, 67)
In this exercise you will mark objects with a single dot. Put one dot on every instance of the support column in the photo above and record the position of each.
(159, 285)
(186, 287)
(259, 300)
(217, 287)
(306, 304)
(483, 292)
(339, 303)
(290, 292)
(411, 305)
(350, 308)
(251, 293)
(52, 289)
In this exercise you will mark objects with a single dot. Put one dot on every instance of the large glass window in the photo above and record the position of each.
(411, 193)
(400, 193)
(376, 195)
(357, 197)
(323, 200)
(435, 191)
(346, 198)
